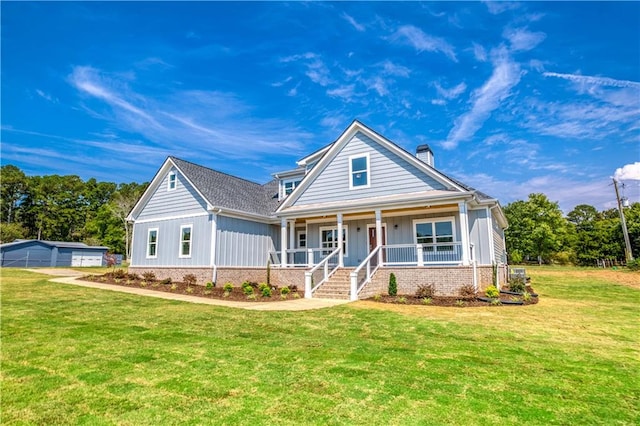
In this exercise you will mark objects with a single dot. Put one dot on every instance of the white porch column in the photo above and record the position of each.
(292, 234)
(464, 231)
(379, 235)
(283, 242)
(214, 235)
(340, 241)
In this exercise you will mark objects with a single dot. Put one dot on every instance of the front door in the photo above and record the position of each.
(373, 241)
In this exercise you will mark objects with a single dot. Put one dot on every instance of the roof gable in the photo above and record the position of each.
(389, 159)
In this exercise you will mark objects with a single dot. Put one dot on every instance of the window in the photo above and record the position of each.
(288, 186)
(433, 233)
(171, 184)
(359, 171)
(185, 241)
(329, 239)
(302, 239)
(152, 243)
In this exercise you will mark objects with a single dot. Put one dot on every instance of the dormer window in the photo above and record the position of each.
(359, 173)
(171, 184)
(288, 186)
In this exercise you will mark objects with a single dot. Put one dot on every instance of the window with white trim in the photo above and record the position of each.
(152, 243)
(434, 233)
(302, 239)
(359, 173)
(288, 186)
(171, 182)
(185, 240)
(329, 239)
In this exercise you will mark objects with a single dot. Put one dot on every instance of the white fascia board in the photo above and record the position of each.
(223, 211)
(311, 158)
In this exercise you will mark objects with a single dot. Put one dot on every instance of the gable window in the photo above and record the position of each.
(433, 234)
(152, 243)
(288, 186)
(329, 239)
(359, 173)
(185, 240)
(171, 183)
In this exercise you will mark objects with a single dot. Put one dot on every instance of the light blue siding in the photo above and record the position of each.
(479, 235)
(168, 246)
(244, 243)
(498, 241)
(389, 175)
(184, 200)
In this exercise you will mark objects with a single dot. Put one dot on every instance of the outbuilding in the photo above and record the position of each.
(36, 253)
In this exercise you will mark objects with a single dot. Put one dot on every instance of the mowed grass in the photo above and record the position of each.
(73, 355)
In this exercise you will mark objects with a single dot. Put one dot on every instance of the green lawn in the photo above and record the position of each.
(73, 355)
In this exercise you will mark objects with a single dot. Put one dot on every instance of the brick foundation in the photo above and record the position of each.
(279, 276)
(203, 275)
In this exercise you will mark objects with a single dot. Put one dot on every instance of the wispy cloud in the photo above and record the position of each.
(498, 7)
(46, 96)
(451, 93)
(598, 81)
(345, 92)
(419, 40)
(522, 39)
(353, 22)
(506, 75)
(479, 52)
(390, 68)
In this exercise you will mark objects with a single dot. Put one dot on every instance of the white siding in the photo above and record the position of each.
(183, 200)
(479, 235)
(498, 241)
(389, 175)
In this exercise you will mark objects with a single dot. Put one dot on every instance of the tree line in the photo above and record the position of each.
(538, 231)
(66, 208)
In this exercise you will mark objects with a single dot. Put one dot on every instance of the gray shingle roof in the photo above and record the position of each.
(59, 244)
(226, 191)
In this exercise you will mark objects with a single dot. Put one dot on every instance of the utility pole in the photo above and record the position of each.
(627, 242)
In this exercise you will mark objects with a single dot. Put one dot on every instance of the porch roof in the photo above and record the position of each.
(396, 201)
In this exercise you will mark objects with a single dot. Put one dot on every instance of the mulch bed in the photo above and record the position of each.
(176, 287)
(462, 302)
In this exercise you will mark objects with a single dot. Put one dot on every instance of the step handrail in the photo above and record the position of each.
(355, 289)
(308, 275)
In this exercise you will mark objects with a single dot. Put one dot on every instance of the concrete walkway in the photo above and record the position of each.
(289, 305)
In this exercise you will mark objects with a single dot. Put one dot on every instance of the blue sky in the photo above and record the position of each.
(513, 98)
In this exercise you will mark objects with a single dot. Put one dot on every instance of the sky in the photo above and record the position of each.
(513, 98)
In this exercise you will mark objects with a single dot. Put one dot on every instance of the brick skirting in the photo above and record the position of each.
(203, 274)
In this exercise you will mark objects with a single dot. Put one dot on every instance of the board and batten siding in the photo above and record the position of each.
(168, 245)
(244, 243)
(498, 241)
(479, 235)
(164, 202)
(389, 175)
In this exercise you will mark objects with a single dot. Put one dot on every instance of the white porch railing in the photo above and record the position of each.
(300, 257)
(363, 273)
(320, 273)
(422, 254)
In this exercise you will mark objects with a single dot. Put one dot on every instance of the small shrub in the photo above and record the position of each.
(284, 296)
(149, 276)
(155, 285)
(262, 286)
(284, 291)
(424, 290)
(117, 280)
(166, 281)
(209, 286)
(207, 292)
(492, 292)
(526, 296)
(517, 284)
(103, 279)
(401, 299)
(296, 295)
(393, 285)
(460, 303)
(496, 302)
(226, 294)
(377, 297)
(245, 284)
(143, 283)
(266, 291)
(634, 265)
(251, 296)
(189, 280)
(128, 282)
(173, 287)
(247, 290)
(228, 288)
(189, 290)
(427, 301)
(133, 277)
(467, 291)
(119, 274)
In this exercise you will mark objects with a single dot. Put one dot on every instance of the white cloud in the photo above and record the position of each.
(452, 93)
(353, 22)
(498, 7)
(479, 52)
(318, 72)
(598, 81)
(396, 70)
(377, 84)
(506, 75)
(438, 102)
(345, 92)
(522, 39)
(424, 42)
(628, 172)
(46, 96)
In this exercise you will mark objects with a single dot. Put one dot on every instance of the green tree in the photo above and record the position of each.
(13, 187)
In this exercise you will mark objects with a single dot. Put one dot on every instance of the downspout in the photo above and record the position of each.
(214, 234)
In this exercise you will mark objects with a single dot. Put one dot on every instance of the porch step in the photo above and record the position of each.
(337, 286)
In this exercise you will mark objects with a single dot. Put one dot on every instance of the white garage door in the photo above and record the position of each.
(79, 258)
